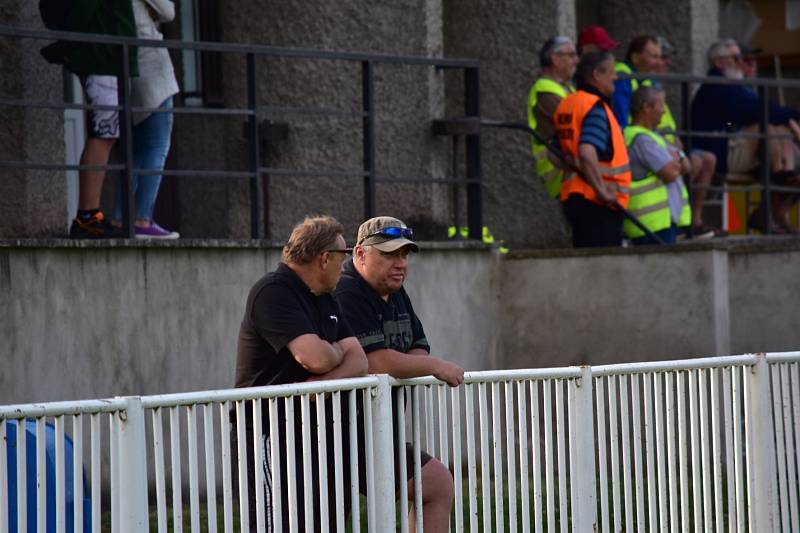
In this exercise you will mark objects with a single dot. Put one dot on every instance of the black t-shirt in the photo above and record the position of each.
(378, 324)
(280, 308)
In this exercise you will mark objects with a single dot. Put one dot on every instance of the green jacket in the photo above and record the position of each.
(107, 17)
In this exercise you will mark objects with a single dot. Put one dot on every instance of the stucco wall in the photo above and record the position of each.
(82, 320)
(33, 203)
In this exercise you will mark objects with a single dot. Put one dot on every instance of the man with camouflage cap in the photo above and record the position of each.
(371, 297)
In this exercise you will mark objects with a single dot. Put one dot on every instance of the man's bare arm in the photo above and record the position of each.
(314, 354)
(414, 364)
(354, 362)
(589, 166)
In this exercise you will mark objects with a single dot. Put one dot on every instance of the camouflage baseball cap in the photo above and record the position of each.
(387, 234)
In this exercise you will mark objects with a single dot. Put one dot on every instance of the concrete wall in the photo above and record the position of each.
(33, 203)
(407, 99)
(82, 320)
(506, 38)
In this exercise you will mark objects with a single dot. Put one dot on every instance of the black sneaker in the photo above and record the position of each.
(702, 231)
(96, 227)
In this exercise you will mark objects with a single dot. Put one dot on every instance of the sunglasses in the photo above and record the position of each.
(345, 251)
(392, 233)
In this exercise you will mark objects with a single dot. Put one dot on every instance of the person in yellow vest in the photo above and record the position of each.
(558, 59)
(646, 54)
(659, 198)
(702, 162)
(592, 141)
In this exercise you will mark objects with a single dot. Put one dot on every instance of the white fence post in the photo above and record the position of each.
(762, 447)
(383, 453)
(132, 468)
(583, 484)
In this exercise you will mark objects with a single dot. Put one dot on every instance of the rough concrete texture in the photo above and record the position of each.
(611, 308)
(406, 99)
(33, 203)
(689, 25)
(505, 37)
(763, 300)
(86, 319)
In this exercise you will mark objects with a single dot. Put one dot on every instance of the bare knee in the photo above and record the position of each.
(709, 162)
(437, 483)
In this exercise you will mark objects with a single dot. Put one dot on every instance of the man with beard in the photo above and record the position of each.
(728, 108)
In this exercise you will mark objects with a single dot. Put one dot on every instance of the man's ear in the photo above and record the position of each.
(323, 259)
(359, 252)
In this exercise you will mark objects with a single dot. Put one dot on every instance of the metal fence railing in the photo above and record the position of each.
(257, 173)
(704, 444)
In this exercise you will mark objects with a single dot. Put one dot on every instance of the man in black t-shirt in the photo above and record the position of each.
(293, 331)
(376, 306)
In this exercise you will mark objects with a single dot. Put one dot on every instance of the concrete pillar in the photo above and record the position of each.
(690, 25)
(407, 99)
(506, 37)
(32, 203)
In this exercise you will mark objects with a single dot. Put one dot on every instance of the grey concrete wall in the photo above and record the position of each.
(407, 99)
(33, 203)
(690, 25)
(506, 37)
(94, 320)
(764, 296)
(598, 308)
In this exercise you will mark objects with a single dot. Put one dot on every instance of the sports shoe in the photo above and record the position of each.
(702, 231)
(97, 227)
(154, 231)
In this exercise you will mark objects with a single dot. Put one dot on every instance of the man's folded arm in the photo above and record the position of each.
(314, 354)
(353, 363)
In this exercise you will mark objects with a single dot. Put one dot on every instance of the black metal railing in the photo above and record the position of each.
(257, 173)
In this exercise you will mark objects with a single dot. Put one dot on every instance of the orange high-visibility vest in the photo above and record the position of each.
(617, 172)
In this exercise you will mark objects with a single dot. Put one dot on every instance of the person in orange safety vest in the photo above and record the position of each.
(592, 142)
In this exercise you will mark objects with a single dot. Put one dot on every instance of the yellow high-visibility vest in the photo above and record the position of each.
(544, 168)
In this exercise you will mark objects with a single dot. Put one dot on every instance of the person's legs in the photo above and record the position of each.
(592, 224)
(704, 165)
(437, 497)
(103, 132)
(90, 182)
(667, 236)
(151, 142)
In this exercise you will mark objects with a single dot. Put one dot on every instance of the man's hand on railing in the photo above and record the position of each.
(450, 373)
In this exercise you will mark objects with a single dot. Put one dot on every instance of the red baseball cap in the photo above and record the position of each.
(597, 35)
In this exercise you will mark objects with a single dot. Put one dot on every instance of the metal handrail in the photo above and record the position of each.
(257, 171)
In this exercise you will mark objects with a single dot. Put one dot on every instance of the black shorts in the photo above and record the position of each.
(301, 462)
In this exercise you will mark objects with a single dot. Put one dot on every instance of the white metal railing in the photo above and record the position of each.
(693, 445)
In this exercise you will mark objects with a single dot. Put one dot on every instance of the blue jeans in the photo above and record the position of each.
(668, 235)
(151, 139)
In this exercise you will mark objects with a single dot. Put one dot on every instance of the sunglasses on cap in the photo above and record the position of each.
(392, 233)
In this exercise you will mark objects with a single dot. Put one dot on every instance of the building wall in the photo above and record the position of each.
(87, 320)
(33, 203)
(505, 36)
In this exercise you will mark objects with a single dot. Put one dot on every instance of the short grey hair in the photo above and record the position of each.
(644, 96)
(550, 47)
(718, 49)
